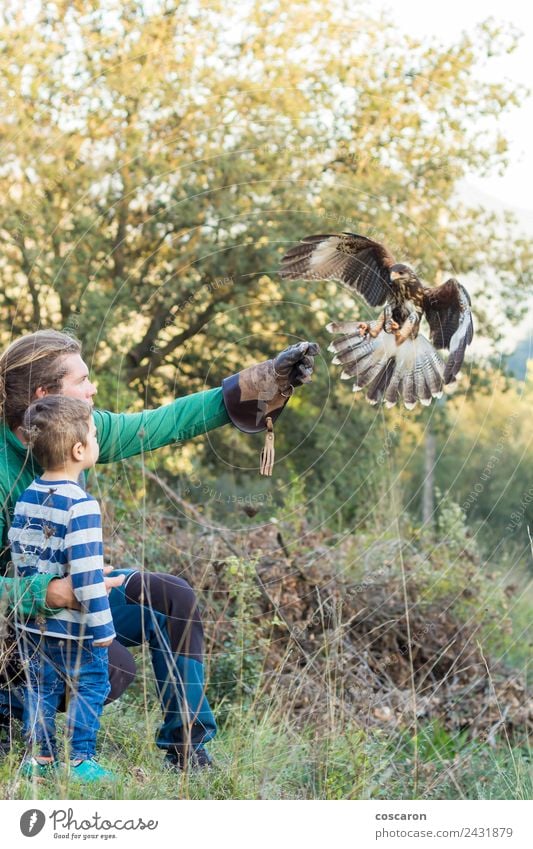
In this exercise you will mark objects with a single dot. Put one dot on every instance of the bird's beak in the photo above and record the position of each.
(395, 275)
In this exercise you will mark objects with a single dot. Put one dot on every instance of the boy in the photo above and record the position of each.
(57, 529)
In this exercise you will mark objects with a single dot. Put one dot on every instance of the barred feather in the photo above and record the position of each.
(379, 385)
(411, 372)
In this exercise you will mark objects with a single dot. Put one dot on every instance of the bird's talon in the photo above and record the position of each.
(363, 328)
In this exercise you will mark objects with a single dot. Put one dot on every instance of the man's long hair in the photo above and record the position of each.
(33, 361)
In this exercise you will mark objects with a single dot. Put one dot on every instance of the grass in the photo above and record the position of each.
(265, 751)
(260, 754)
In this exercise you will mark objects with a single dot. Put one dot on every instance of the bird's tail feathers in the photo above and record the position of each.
(412, 371)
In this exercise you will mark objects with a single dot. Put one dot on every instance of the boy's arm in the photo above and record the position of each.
(122, 435)
(84, 549)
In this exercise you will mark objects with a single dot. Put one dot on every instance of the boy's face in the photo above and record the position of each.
(92, 449)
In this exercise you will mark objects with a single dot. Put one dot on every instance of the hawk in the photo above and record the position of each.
(388, 356)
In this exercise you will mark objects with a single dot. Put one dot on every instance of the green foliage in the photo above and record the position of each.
(451, 525)
(435, 743)
(236, 671)
(343, 764)
(484, 453)
(451, 767)
(150, 219)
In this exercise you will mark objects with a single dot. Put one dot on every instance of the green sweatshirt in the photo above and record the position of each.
(120, 436)
(28, 595)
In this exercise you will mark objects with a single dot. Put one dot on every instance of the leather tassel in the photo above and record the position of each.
(268, 453)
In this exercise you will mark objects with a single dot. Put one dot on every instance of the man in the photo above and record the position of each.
(154, 607)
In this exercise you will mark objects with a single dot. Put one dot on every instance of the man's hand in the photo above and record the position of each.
(109, 582)
(295, 365)
(61, 594)
(261, 391)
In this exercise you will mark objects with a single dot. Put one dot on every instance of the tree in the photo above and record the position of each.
(158, 160)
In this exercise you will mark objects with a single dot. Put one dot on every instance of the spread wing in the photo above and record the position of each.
(358, 262)
(448, 312)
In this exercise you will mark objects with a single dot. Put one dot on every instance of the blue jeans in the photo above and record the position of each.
(175, 637)
(169, 622)
(54, 665)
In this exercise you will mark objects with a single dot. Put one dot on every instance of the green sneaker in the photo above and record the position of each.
(38, 767)
(90, 771)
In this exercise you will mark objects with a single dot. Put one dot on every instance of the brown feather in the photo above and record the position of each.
(348, 258)
(447, 310)
(397, 362)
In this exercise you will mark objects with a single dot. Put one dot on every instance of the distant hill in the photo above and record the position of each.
(516, 363)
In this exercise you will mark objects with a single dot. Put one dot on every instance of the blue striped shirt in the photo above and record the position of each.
(57, 529)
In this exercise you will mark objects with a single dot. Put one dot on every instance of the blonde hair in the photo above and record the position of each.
(53, 425)
(33, 361)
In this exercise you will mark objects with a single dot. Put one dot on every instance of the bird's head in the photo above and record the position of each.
(401, 273)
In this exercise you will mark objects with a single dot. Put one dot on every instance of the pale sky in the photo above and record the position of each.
(446, 20)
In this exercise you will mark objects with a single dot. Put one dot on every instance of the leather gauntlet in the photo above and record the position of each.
(262, 390)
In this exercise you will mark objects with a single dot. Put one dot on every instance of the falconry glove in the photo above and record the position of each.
(255, 397)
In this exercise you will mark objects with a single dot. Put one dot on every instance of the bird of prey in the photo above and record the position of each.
(388, 356)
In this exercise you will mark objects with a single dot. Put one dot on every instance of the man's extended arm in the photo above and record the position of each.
(245, 399)
(122, 435)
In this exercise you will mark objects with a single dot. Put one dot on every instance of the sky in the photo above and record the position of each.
(447, 20)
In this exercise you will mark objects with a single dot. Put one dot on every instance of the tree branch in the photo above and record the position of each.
(157, 355)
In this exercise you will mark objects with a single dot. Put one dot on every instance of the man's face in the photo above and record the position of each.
(76, 383)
